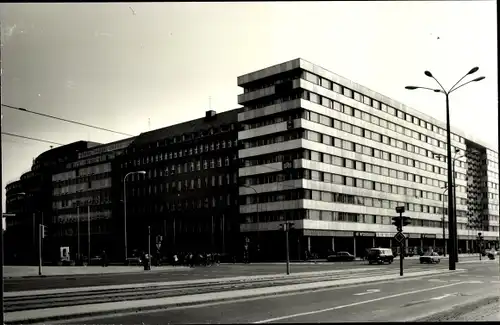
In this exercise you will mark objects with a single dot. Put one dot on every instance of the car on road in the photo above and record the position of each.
(380, 256)
(492, 254)
(340, 257)
(430, 258)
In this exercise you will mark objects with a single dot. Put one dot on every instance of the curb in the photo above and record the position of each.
(160, 306)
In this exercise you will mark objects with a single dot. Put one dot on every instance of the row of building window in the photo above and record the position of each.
(297, 194)
(350, 181)
(351, 146)
(188, 204)
(375, 136)
(185, 185)
(223, 144)
(186, 137)
(328, 215)
(93, 198)
(360, 132)
(325, 83)
(184, 168)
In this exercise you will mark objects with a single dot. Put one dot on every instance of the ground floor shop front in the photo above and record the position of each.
(306, 244)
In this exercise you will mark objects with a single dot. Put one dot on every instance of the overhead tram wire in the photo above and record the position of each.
(22, 109)
(33, 139)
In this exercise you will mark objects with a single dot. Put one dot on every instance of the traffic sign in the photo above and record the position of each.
(400, 237)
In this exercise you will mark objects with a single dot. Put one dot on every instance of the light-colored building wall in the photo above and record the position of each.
(416, 129)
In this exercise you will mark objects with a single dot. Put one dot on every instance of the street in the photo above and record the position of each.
(220, 271)
(397, 300)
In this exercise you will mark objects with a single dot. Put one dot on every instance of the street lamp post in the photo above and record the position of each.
(444, 232)
(455, 158)
(257, 210)
(125, 207)
(452, 226)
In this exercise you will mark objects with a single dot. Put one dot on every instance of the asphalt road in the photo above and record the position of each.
(398, 300)
(223, 270)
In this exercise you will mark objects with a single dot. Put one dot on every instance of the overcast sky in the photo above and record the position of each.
(116, 65)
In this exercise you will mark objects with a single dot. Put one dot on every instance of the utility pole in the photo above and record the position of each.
(88, 231)
(286, 228)
(2, 321)
(149, 247)
(40, 237)
(78, 232)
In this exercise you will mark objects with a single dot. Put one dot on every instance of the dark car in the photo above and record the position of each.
(340, 257)
(430, 258)
(380, 256)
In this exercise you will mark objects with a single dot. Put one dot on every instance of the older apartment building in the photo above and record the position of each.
(188, 192)
(82, 201)
(336, 158)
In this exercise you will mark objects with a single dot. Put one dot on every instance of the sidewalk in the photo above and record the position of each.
(47, 271)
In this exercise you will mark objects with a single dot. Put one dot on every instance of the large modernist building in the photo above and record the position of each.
(337, 158)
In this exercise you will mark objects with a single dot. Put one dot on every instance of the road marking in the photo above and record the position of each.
(437, 280)
(495, 281)
(355, 304)
(475, 281)
(445, 296)
(455, 280)
(369, 291)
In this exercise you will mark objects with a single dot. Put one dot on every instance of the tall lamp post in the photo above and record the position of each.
(452, 226)
(257, 208)
(125, 207)
(455, 158)
(444, 232)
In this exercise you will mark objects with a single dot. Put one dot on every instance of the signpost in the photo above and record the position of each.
(159, 240)
(400, 222)
(480, 242)
(41, 235)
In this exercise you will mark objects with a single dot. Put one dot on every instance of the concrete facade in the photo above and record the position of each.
(337, 158)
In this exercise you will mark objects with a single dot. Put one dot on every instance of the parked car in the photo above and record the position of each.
(492, 254)
(430, 258)
(340, 257)
(380, 256)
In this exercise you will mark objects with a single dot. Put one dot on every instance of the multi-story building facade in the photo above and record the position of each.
(29, 199)
(337, 158)
(82, 201)
(188, 193)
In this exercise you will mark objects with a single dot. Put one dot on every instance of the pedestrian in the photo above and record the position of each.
(104, 259)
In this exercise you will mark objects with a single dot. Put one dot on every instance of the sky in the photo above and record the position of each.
(132, 67)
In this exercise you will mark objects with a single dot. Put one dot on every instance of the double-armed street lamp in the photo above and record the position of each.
(125, 207)
(452, 226)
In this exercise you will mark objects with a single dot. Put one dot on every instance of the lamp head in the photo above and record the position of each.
(411, 87)
(437, 90)
(473, 70)
(428, 74)
(479, 79)
(141, 172)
